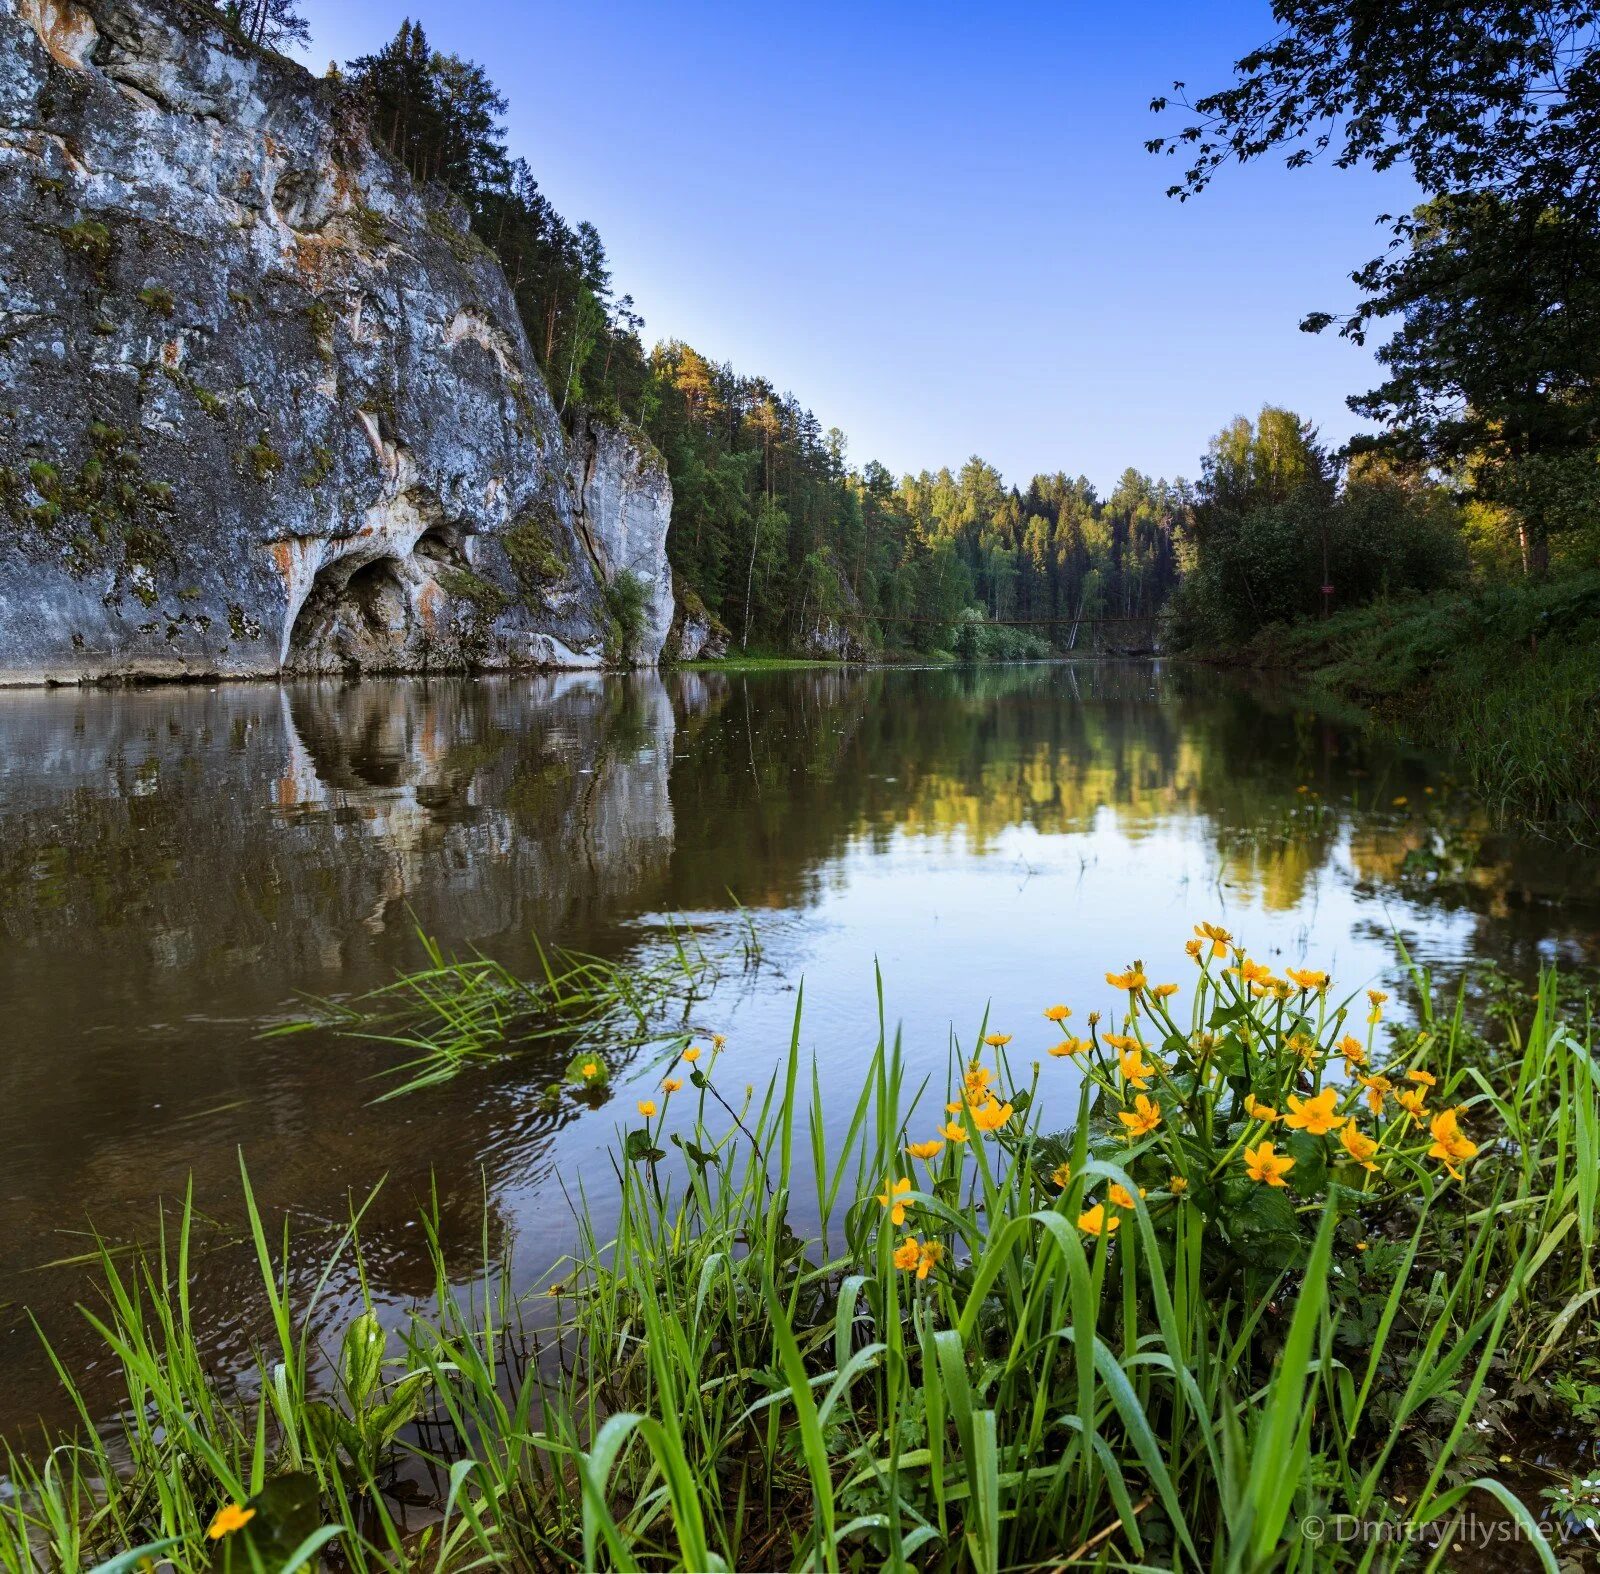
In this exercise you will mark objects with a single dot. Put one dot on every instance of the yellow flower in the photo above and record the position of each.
(671, 1084)
(590, 1069)
(1193, 948)
(1304, 1047)
(890, 1196)
(1177, 1185)
(1069, 1046)
(229, 1518)
(954, 1109)
(1057, 1013)
(692, 1055)
(1450, 1143)
(991, 1116)
(924, 1150)
(1426, 1078)
(1253, 973)
(1120, 1041)
(719, 1041)
(1377, 1086)
(1061, 1175)
(1262, 1164)
(1377, 997)
(1136, 1070)
(1142, 1119)
(906, 1253)
(1411, 1103)
(1219, 937)
(928, 1258)
(978, 1079)
(1307, 978)
(1132, 980)
(647, 1107)
(1121, 1195)
(1164, 991)
(1400, 803)
(1354, 1055)
(998, 1040)
(1095, 1222)
(954, 1131)
(1361, 1148)
(1256, 1110)
(1314, 1115)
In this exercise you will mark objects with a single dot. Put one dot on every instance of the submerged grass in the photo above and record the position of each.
(1276, 1272)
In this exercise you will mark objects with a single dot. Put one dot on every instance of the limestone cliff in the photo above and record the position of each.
(266, 406)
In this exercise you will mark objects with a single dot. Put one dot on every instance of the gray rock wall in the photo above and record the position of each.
(265, 406)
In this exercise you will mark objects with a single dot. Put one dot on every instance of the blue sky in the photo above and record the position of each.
(935, 224)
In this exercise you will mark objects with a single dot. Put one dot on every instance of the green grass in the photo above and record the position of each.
(1506, 681)
(746, 1365)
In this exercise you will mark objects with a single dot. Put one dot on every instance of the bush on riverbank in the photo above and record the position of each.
(1506, 679)
(1281, 1267)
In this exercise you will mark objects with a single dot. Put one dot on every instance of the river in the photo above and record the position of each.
(182, 867)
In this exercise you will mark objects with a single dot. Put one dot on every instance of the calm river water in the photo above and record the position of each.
(179, 867)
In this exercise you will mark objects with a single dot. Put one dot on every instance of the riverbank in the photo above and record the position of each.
(1288, 1269)
(1505, 681)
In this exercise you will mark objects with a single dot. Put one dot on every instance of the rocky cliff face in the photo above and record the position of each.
(264, 405)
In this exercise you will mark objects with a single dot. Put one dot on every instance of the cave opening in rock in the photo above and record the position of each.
(355, 617)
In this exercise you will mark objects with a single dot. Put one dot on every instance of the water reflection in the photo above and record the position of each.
(179, 866)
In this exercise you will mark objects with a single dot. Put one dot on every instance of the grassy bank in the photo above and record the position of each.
(1507, 681)
(1285, 1266)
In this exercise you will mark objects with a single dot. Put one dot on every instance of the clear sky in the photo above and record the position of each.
(935, 224)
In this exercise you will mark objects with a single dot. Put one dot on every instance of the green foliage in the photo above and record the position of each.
(91, 240)
(158, 299)
(627, 596)
(1270, 526)
(982, 1356)
(486, 598)
(261, 460)
(530, 546)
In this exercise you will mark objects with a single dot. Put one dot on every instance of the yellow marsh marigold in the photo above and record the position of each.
(991, 1116)
(1132, 980)
(1377, 1086)
(1121, 1041)
(1135, 1069)
(925, 1150)
(1305, 1048)
(953, 1131)
(928, 1258)
(1069, 1046)
(692, 1054)
(1121, 1195)
(647, 1108)
(1359, 1146)
(1061, 1175)
(977, 1082)
(1219, 937)
(719, 1040)
(1164, 991)
(1354, 1055)
(1307, 977)
(906, 1253)
(998, 1040)
(1096, 1222)
(671, 1084)
(1256, 1110)
(1450, 1143)
(890, 1198)
(1252, 972)
(1261, 1163)
(1411, 1102)
(1142, 1119)
(1315, 1115)
(229, 1518)
(1177, 1185)
(1426, 1078)
(589, 1069)
(1193, 948)
(1057, 1013)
